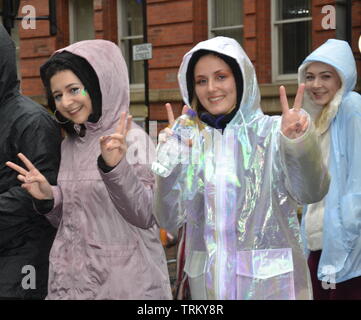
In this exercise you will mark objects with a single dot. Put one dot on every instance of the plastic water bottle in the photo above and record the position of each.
(176, 149)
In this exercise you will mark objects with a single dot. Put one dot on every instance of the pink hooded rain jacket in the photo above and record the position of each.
(107, 245)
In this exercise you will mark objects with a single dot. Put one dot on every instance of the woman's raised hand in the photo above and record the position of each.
(114, 146)
(294, 121)
(164, 134)
(32, 180)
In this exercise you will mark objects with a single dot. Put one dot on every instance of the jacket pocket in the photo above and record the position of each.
(265, 275)
(195, 269)
(110, 271)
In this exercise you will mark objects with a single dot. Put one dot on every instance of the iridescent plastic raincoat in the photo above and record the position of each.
(238, 198)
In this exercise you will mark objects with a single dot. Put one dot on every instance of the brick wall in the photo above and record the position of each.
(105, 20)
(257, 37)
(174, 27)
(356, 33)
(36, 45)
(319, 34)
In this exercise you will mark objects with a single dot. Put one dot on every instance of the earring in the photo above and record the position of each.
(59, 120)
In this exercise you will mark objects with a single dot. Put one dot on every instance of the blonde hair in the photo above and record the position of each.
(196, 105)
(328, 112)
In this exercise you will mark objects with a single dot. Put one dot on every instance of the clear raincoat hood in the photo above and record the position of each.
(250, 103)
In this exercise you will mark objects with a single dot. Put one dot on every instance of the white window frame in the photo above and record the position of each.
(211, 29)
(72, 19)
(276, 76)
(122, 38)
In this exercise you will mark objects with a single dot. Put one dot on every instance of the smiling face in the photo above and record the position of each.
(215, 86)
(71, 100)
(322, 82)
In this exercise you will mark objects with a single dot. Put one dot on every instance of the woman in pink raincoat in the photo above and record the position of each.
(107, 245)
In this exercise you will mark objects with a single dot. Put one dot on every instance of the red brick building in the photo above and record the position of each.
(276, 34)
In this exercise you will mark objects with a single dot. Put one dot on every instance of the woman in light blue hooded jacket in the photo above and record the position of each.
(239, 194)
(332, 227)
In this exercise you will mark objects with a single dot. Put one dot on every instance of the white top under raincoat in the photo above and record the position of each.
(239, 198)
(340, 225)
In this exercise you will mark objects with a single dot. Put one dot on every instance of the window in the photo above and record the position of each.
(291, 36)
(81, 22)
(130, 33)
(225, 18)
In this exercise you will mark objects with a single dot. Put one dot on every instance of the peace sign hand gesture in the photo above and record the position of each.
(294, 121)
(33, 181)
(114, 146)
(167, 132)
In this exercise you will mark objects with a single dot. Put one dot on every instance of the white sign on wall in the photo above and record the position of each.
(142, 51)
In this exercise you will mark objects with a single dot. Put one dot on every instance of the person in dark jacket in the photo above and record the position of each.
(25, 235)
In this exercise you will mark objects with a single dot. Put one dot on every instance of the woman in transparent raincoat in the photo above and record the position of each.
(239, 193)
(332, 227)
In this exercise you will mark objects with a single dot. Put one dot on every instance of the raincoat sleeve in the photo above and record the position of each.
(168, 204)
(130, 188)
(307, 178)
(39, 141)
(350, 199)
(55, 214)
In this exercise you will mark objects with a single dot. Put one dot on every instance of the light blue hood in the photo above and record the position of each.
(341, 59)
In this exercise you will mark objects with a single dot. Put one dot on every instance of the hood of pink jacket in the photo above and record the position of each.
(107, 61)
